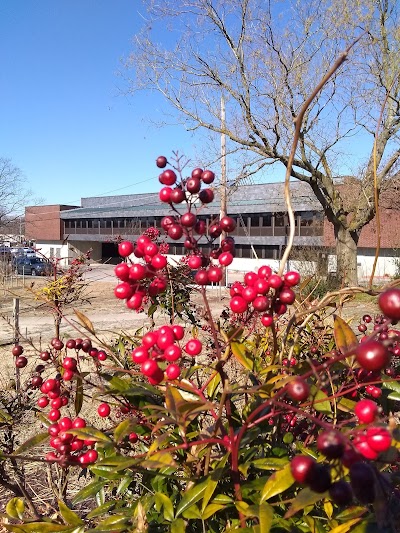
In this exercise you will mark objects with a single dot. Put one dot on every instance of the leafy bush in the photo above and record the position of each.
(268, 417)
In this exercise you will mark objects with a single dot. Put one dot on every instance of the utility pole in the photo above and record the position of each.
(222, 189)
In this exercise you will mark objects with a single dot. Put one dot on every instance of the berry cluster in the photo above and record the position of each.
(366, 444)
(70, 449)
(264, 292)
(139, 281)
(160, 346)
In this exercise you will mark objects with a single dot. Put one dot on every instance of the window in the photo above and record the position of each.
(280, 219)
(266, 220)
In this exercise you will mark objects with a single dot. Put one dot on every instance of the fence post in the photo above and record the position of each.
(16, 341)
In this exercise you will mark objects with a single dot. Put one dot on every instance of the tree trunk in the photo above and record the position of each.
(346, 252)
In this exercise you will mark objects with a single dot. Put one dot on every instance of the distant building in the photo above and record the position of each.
(261, 232)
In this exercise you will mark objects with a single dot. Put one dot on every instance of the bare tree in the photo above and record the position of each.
(265, 57)
(13, 194)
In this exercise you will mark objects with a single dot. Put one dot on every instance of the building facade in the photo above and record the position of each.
(261, 227)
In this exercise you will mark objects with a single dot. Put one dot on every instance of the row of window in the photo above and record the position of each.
(254, 221)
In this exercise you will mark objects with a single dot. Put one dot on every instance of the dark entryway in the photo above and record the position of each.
(109, 253)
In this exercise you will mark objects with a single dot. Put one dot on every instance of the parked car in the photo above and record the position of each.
(32, 266)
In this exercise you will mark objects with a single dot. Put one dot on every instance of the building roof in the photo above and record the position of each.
(244, 199)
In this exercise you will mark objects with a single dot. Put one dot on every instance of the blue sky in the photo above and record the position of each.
(65, 120)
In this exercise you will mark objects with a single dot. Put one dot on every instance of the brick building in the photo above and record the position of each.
(261, 232)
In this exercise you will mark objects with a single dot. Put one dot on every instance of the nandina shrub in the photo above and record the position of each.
(265, 418)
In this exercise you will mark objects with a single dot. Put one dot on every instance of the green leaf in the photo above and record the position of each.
(192, 496)
(38, 527)
(84, 320)
(69, 516)
(5, 417)
(391, 385)
(89, 491)
(123, 429)
(346, 405)
(213, 480)
(31, 443)
(178, 526)
(90, 433)
(15, 508)
(113, 523)
(211, 509)
(320, 400)
(240, 352)
(192, 513)
(351, 512)
(78, 394)
(345, 338)
(278, 482)
(98, 511)
(162, 501)
(304, 498)
(344, 528)
(213, 385)
(265, 516)
(270, 463)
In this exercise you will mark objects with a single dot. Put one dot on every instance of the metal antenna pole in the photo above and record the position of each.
(223, 192)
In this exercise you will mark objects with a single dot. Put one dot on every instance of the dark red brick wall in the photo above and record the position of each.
(43, 222)
(390, 231)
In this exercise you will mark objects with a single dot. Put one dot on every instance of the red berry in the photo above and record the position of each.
(214, 274)
(379, 439)
(225, 259)
(341, 492)
(44, 356)
(140, 355)
(149, 368)
(389, 302)
(78, 423)
(207, 176)
(21, 361)
(193, 347)
(175, 232)
(287, 296)
(214, 231)
(275, 281)
(177, 196)
(264, 271)
(172, 371)
(361, 445)
(362, 479)
(133, 437)
(193, 185)
(165, 195)
(69, 363)
(161, 161)
(17, 350)
(125, 248)
(168, 177)
(298, 390)
(159, 261)
(227, 224)
(267, 320)
(291, 278)
(261, 303)
(123, 290)
(54, 415)
(179, 332)
(104, 410)
(302, 467)
(42, 402)
(250, 278)
(366, 411)
(188, 219)
(201, 277)
(238, 304)
(372, 355)
(206, 196)
(331, 443)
